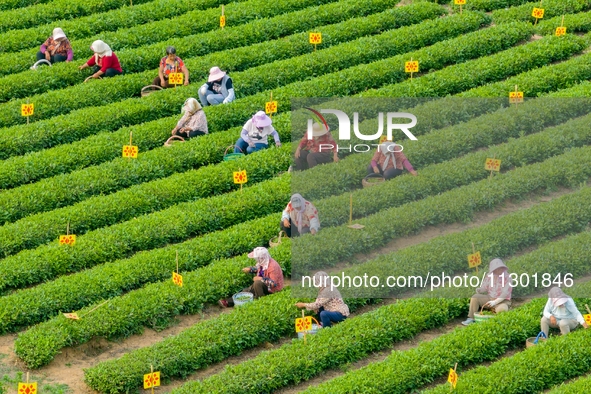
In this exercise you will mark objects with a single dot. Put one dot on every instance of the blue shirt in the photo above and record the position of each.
(565, 311)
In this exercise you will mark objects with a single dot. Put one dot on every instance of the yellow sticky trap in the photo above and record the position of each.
(27, 109)
(67, 239)
(315, 38)
(27, 388)
(452, 378)
(130, 151)
(492, 165)
(240, 177)
(177, 279)
(384, 138)
(175, 78)
(73, 316)
(560, 31)
(460, 2)
(411, 67)
(151, 380)
(538, 13)
(223, 21)
(303, 324)
(587, 319)
(474, 260)
(270, 107)
(515, 97)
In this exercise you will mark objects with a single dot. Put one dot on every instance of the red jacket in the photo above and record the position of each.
(106, 62)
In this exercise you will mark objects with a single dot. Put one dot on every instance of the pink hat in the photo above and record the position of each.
(260, 119)
(215, 73)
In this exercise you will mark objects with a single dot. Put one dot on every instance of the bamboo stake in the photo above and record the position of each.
(474, 251)
(177, 262)
(303, 317)
(95, 308)
(152, 372)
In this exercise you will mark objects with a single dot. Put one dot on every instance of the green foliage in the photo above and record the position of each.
(499, 238)
(130, 203)
(52, 131)
(406, 371)
(139, 49)
(575, 23)
(490, 5)
(576, 387)
(552, 8)
(56, 10)
(106, 178)
(140, 14)
(153, 305)
(477, 72)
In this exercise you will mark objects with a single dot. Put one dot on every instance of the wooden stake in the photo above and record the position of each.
(474, 251)
(152, 372)
(562, 21)
(95, 308)
(351, 209)
(28, 121)
(303, 317)
(460, 9)
(411, 71)
(536, 22)
(271, 100)
(68, 228)
(451, 387)
(491, 171)
(223, 15)
(27, 378)
(588, 310)
(177, 262)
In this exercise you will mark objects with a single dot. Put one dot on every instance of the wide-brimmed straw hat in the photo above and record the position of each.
(215, 73)
(318, 130)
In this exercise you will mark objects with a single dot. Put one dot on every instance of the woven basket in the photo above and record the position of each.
(232, 156)
(171, 140)
(529, 342)
(376, 179)
(147, 90)
(276, 241)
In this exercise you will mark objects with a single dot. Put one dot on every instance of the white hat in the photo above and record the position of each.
(215, 73)
(260, 119)
(318, 130)
(58, 33)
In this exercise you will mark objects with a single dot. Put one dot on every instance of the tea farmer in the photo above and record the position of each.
(170, 63)
(389, 161)
(254, 135)
(218, 88)
(494, 293)
(561, 312)
(329, 304)
(56, 48)
(105, 62)
(299, 217)
(321, 149)
(193, 122)
(268, 277)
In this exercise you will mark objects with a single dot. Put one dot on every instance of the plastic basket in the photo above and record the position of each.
(372, 180)
(314, 330)
(478, 317)
(242, 298)
(147, 90)
(40, 62)
(232, 156)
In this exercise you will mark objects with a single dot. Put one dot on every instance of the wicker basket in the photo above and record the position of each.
(232, 156)
(478, 317)
(147, 90)
(276, 241)
(171, 140)
(372, 180)
(529, 342)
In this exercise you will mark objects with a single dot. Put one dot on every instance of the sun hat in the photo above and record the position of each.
(318, 130)
(260, 119)
(58, 33)
(215, 73)
(258, 252)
